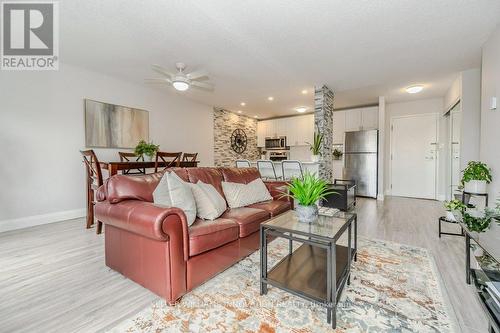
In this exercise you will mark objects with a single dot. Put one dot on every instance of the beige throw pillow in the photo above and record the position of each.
(172, 191)
(241, 195)
(209, 203)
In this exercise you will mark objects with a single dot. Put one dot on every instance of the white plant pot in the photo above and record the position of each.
(147, 158)
(475, 186)
(450, 216)
(315, 158)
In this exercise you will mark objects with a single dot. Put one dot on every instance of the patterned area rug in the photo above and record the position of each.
(394, 288)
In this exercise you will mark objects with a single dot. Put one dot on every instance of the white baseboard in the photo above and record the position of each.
(30, 221)
(380, 197)
(441, 197)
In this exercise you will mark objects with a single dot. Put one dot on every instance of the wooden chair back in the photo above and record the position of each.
(127, 157)
(94, 180)
(189, 157)
(94, 173)
(171, 159)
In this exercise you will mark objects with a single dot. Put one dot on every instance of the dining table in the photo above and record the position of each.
(114, 167)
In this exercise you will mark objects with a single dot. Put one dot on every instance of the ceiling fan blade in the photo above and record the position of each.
(158, 80)
(203, 85)
(197, 74)
(160, 70)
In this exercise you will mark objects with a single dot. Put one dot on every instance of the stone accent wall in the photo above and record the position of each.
(225, 122)
(323, 120)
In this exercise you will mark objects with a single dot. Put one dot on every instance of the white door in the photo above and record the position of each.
(413, 156)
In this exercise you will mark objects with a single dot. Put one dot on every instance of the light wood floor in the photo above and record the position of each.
(53, 277)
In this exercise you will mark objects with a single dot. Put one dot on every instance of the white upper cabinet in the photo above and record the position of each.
(361, 119)
(369, 118)
(298, 130)
(338, 127)
(261, 133)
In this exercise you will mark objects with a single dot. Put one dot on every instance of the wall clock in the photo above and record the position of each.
(238, 141)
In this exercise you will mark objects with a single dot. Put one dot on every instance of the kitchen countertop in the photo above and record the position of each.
(303, 162)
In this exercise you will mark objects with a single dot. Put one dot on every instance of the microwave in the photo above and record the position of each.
(276, 143)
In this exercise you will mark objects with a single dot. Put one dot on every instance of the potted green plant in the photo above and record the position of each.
(146, 150)
(475, 177)
(307, 191)
(315, 146)
(452, 206)
(337, 154)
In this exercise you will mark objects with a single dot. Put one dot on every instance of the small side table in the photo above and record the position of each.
(443, 219)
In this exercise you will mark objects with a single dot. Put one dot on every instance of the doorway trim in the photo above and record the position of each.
(391, 144)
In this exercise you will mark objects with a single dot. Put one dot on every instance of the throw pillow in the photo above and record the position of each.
(172, 191)
(241, 195)
(214, 195)
(206, 207)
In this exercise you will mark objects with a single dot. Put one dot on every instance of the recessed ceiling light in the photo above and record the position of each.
(304, 91)
(243, 103)
(270, 98)
(301, 109)
(414, 89)
(256, 116)
(239, 111)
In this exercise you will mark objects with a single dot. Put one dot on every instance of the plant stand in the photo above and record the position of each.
(443, 219)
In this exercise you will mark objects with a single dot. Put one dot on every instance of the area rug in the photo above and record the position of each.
(394, 288)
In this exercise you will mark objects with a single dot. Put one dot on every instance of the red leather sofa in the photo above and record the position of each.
(154, 246)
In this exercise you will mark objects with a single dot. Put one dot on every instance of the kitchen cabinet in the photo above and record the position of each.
(361, 119)
(298, 130)
(338, 127)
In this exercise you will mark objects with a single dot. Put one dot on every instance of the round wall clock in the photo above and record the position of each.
(238, 141)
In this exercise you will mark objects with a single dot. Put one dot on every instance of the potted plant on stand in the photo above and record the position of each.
(307, 192)
(453, 206)
(475, 177)
(337, 154)
(146, 150)
(315, 147)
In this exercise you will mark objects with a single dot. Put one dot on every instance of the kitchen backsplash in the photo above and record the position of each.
(225, 122)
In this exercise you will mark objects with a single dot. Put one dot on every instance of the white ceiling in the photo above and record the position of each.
(255, 49)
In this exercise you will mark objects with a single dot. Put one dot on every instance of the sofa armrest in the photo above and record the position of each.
(148, 220)
(277, 189)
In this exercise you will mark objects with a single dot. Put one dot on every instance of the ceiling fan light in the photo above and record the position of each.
(180, 85)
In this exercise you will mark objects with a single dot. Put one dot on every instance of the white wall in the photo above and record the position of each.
(470, 104)
(433, 105)
(42, 131)
(490, 120)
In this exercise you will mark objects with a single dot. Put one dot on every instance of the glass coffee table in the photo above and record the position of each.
(318, 269)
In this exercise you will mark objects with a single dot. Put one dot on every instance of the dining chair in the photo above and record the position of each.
(243, 164)
(291, 169)
(127, 157)
(94, 180)
(189, 157)
(267, 170)
(171, 159)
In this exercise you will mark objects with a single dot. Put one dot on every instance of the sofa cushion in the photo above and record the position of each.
(210, 176)
(172, 191)
(209, 203)
(248, 219)
(240, 175)
(208, 235)
(274, 207)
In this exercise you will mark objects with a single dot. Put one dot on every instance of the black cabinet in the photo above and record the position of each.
(345, 196)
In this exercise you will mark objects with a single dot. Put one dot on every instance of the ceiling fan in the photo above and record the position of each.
(182, 81)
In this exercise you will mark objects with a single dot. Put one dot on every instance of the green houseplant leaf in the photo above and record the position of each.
(476, 170)
(309, 190)
(144, 148)
(315, 147)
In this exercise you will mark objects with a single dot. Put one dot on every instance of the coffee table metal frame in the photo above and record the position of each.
(334, 288)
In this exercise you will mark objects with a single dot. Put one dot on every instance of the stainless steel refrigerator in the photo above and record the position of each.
(361, 161)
